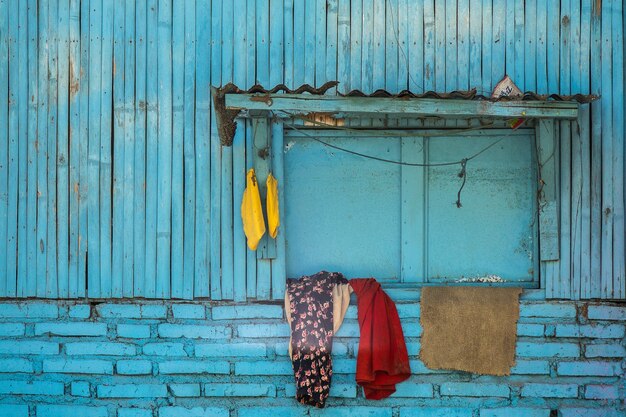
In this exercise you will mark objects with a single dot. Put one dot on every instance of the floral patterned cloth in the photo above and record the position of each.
(311, 310)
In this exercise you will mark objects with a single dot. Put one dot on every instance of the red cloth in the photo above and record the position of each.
(382, 360)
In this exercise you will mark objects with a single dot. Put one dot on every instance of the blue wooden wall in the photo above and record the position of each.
(112, 179)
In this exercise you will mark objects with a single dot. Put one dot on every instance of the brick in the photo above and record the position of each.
(80, 311)
(550, 390)
(418, 367)
(530, 330)
(530, 367)
(133, 331)
(264, 368)
(612, 331)
(336, 390)
(547, 350)
(413, 390)
(265, 330)
(12, 329)
(164, 349)
(604, 312)
(408, 311)
(132, 391)
(71, 329)
(515, 412)
(31, 388)
(253, 311)
(134, 412)
(602, 392)
(591, 368)
(435, 412)
(351, 412)
(188, 311)
(196, 412)
(349, 329)
(78, 366)
(605, 351)
(100, 348)
(412, 348)
(71, 411)
(344, 366)
(134, 367)
(548, 310)
(13, 410)
(80, 389)
(29, 310)
(153, 311)
(215, 350)
(22, 347)
(239, 390)
(590, 412)
(411, 329)
(352, 313)
(185, 390)
(273, 412)
(194, 331)
(470, 389)
(117, 311)
(15, 365)
(194, 367)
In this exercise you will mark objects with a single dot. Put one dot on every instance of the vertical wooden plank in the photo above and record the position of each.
(389, 42)
(239, 157)
(475, 49)
(356, 37)
(498, 60)
(279, 273)
(320, 42)
(585, 166)
(530, 47)
(64, 191)
(289, 31)
(5, 50)
(429, 45)
(130, 65)
(227, 240)
(178, 126)
(607, 152)
(415, 46)
(216, 149)
(151, 149)
(84, 143)
(553, 26)
(189, 151)
(619, 248)
(367, 47)
(412, 263)
(463, 45)
(344, 58)
(329, 42)
(402, 14)
(202, 152)
(106, 119)
(309, 40)
(299, 73)
(519, 45)
(596, 155)
(576, 221)
(74, 136)
(487, 43)
(119, 129)
(164, 158)
(21, 242)
(28, 285)
(139, 160)
(451, 45)
(542, 49)
(440, 46)
(510, 38)
(51, 259)
(299, 44)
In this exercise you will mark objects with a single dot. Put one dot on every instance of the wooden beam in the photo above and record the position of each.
(407, 107)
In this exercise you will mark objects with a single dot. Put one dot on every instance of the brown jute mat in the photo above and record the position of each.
(470, 329)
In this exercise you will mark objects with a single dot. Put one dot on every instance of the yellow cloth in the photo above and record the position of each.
(252, 212)
(273, 213)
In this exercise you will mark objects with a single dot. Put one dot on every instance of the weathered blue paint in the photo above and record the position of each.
(112, 175)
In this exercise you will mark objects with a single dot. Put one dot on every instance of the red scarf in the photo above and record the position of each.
(382, 360)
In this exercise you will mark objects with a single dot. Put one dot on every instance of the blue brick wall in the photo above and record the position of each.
(169, 359)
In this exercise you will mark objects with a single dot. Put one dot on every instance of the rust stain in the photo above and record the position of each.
(427, 75)
(74, 82)
(584, 311)
(263, 99)
(36, 145)
(76, 187)
(142, 105)
(597, 7)
(114, 67)
(565, 20)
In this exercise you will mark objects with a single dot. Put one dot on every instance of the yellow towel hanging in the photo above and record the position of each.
(273, 212)
(252, 212)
